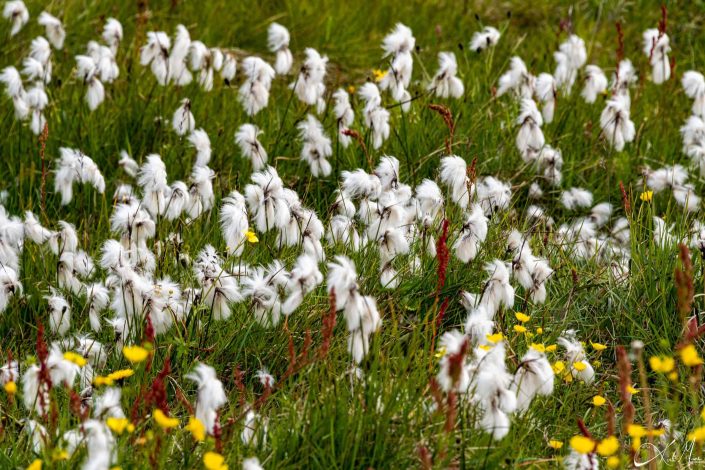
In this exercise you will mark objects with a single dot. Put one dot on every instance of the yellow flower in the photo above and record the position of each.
(99, 380)
(522, 317)
(608, 446)
(551, 348)
(689, 356)
(485, 347)
(214, 461)
(77, 359)
(59, 454)
(632, 390)
(197, 429)
(251, 236)
(673, 376)
(495, 338)
(582, 444)
(579, 366)
(135, 354)
(441, 352)
(698, 434)
(36, 465)
(538, 346)
(539, 331)
(662, 364)
(636, 430)
(163, 420)
(379, 74)
(553, 444)
(568, 377)
(598, 346)
(10, 387)
(558, 367)
(596, 364)
(121, 374)
(520, 329)
(598, 400)
(646, 196)
(613, 462)
(119, 425)
(351, 89)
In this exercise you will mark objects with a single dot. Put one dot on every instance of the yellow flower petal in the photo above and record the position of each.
(251, 236)
(76, 358)
(598, 400)
(538, 347)
(522, 317)
(689, 356)
(121, 374)
(520, 329)
(214, 461)
(196, 428)
(613, 462)
(10, 387)
(555, 444)
(36, 465)
(608, 446)
(697, 435)
(118, 425)
(646, 196)
(662, 364)
(598, 346)
(495, 338)
(582, 444)
(163, 420)
(135, 354)
(579, 366)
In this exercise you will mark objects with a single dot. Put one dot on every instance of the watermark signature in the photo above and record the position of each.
(675, 452)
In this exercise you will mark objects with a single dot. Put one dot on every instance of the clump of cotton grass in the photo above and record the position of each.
(656, 48)
(88, 73)
(233, 222)
(530, 139)
(574, 198)
(398, 46)
(183, 121)
(481, 40)
(211, 395)
(624, 77)
(491, 390)
(674, 178)
(578, 365)
(178, 72)
(112, 34)
(10, 286)
(361, 314)
(316, 146)
(303, 278)
(53, 29)
(693, 135)
(617, 127)
(74, 166)
(11, 240)
(205, 62)
(595, 83)
(246, 138)
(570, 57)
(16, 12)
(534, 377)
(344, 115)
(453, 174)
(264, 286)
(14, 89)
(201, 196)
(278, 42)
(266, 200)
(199, 140)
(152, 178)
(254, 92)
(445, 83)
(531, 272)
(219, 287)
(472, 235)
(546, 93)
(375, 116)
(694, 86)
(40, 53)
(156, 54)
(517, 79)
(309, 86)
